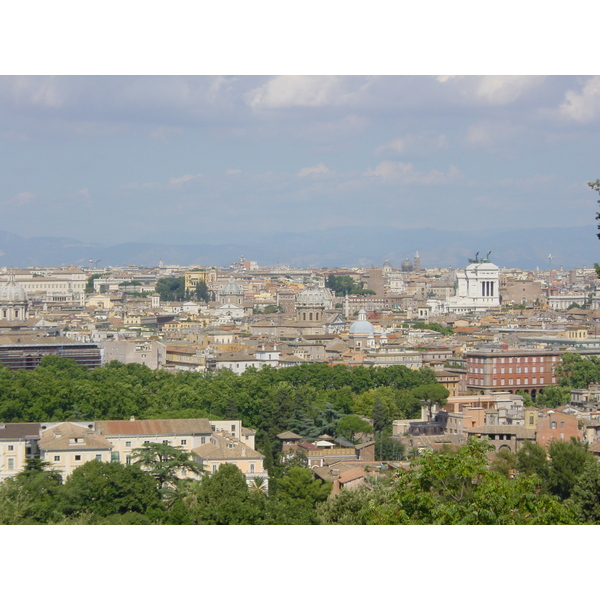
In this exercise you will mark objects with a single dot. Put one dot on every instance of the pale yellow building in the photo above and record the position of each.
(66, 446)
(224, 448)
(18, 442)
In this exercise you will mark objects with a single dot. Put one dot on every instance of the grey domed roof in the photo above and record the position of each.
(362, 326)
(311, 296)
(11, 291)
(231, 287)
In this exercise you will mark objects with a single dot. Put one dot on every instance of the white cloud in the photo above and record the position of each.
(177, 181)
(306, 90)
(233, 171)
(21, 199)
(401, 172)
(504, 89)
(583, 106)
(319, 169)
(38, 91)
(419, 143)
(488, 133)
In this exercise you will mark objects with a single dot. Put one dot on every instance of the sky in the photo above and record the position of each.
(112, 159)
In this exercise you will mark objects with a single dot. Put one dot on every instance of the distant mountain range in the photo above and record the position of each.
(570, 247)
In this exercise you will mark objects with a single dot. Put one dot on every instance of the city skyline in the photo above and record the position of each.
(207, 159)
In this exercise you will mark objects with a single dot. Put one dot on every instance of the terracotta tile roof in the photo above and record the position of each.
(226, 447)
(518, 430)
(289, 435)
(155, 427)
(356, 473)
(61, 437)
(595, 447)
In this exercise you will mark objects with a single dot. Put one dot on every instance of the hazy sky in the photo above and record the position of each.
(204, 158)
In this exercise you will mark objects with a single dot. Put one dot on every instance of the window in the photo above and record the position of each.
(99, 457)
(166, 442)
(553, 425)
(128, 459)
(10, 447)
(11, 464)
(531, 419)
(183, 443)
(562, 424)
(127, 444)
(57, 458)
(214, 468)
(251, 467)
(203, 440)
(78, 458)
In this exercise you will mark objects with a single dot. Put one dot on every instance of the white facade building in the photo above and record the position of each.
(477, 289)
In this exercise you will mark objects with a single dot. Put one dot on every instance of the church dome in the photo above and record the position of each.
(11, 291)
(231, 287)
(311, 296)
(362, 326)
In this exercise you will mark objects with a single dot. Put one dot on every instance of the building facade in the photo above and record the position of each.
(511, 370)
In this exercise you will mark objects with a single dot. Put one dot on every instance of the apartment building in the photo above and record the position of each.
(511, 370)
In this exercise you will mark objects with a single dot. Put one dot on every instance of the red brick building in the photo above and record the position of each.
(511, 370)
(556, 426)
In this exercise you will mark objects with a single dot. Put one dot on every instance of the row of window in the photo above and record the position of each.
(539, 369)
(534, 381)
(513, 359)
(166, 442)
(77, 457)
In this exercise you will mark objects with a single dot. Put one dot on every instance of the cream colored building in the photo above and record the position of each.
(224, 448)
(66, 446)
(18, 441)
(127, 436)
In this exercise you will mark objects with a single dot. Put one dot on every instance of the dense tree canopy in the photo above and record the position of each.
(576, 371)
(171, 289)
(344, 284)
